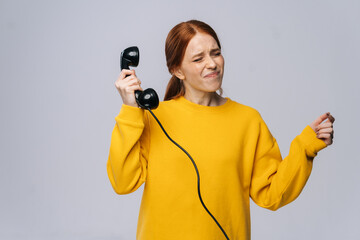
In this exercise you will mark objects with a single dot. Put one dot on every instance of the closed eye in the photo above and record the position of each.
(217, 53)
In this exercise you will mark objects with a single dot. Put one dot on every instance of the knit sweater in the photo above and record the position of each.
(235, 153)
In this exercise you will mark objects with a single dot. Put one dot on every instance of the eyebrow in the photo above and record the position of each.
(202, 53)
(197, 54)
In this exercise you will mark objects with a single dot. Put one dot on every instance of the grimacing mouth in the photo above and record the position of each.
(214, 72)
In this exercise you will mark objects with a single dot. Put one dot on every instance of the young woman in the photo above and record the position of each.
(235, 153)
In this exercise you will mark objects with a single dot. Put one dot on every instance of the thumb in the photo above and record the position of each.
(319, 120)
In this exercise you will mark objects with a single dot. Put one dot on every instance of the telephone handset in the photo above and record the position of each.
(147, 98)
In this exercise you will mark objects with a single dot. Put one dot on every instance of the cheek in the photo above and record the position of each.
(221, 61)
(194, 72)
(198, 69)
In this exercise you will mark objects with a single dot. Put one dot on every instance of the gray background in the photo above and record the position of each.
(291, 60)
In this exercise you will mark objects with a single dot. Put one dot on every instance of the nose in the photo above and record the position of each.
(210, 63)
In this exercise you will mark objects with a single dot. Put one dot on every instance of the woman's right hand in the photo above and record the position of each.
(126, 86)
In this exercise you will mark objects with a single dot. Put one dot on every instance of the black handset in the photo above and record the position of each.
(147, 98)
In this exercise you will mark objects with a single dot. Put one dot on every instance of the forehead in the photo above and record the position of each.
(201, 42)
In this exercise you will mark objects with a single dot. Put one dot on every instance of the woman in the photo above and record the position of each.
(235, 153)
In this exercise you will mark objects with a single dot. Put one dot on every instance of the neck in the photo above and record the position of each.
(205, 99)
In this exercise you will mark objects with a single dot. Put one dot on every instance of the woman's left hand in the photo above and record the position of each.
(324, 129)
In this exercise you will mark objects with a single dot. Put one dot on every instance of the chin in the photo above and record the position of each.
(216, 86)
(213, 89)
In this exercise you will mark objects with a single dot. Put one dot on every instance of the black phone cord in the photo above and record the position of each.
(196, 169)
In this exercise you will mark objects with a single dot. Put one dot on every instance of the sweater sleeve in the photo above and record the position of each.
(276, 182)
(128, 156)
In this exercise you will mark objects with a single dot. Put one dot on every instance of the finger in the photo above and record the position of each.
(320, 119)
(325, 130)
(122, 80)
(326, 124)
(133, 88)
(324, 135)
(126, 72)
(134, 81)
(130, 78)
(128, 81)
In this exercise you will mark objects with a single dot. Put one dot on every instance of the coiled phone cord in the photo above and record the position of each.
(196, 169)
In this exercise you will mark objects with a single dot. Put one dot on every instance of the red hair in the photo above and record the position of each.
(175, 46)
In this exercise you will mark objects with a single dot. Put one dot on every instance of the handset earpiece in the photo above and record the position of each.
(147, 98)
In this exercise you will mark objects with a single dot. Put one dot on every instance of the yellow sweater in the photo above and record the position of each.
(235, 153)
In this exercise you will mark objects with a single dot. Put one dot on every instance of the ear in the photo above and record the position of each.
(179, 74)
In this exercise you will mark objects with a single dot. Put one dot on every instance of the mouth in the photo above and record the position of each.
(212, 74)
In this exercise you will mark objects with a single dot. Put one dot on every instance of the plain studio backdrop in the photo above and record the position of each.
(290, 60)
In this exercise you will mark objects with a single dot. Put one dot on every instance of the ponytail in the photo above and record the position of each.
(174, 89)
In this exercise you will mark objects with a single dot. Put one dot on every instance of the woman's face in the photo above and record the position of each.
(203, 65)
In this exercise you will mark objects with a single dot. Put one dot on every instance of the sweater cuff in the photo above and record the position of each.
(131, 115)
(312, 144)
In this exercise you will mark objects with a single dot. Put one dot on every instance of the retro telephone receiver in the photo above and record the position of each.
(148, 99)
